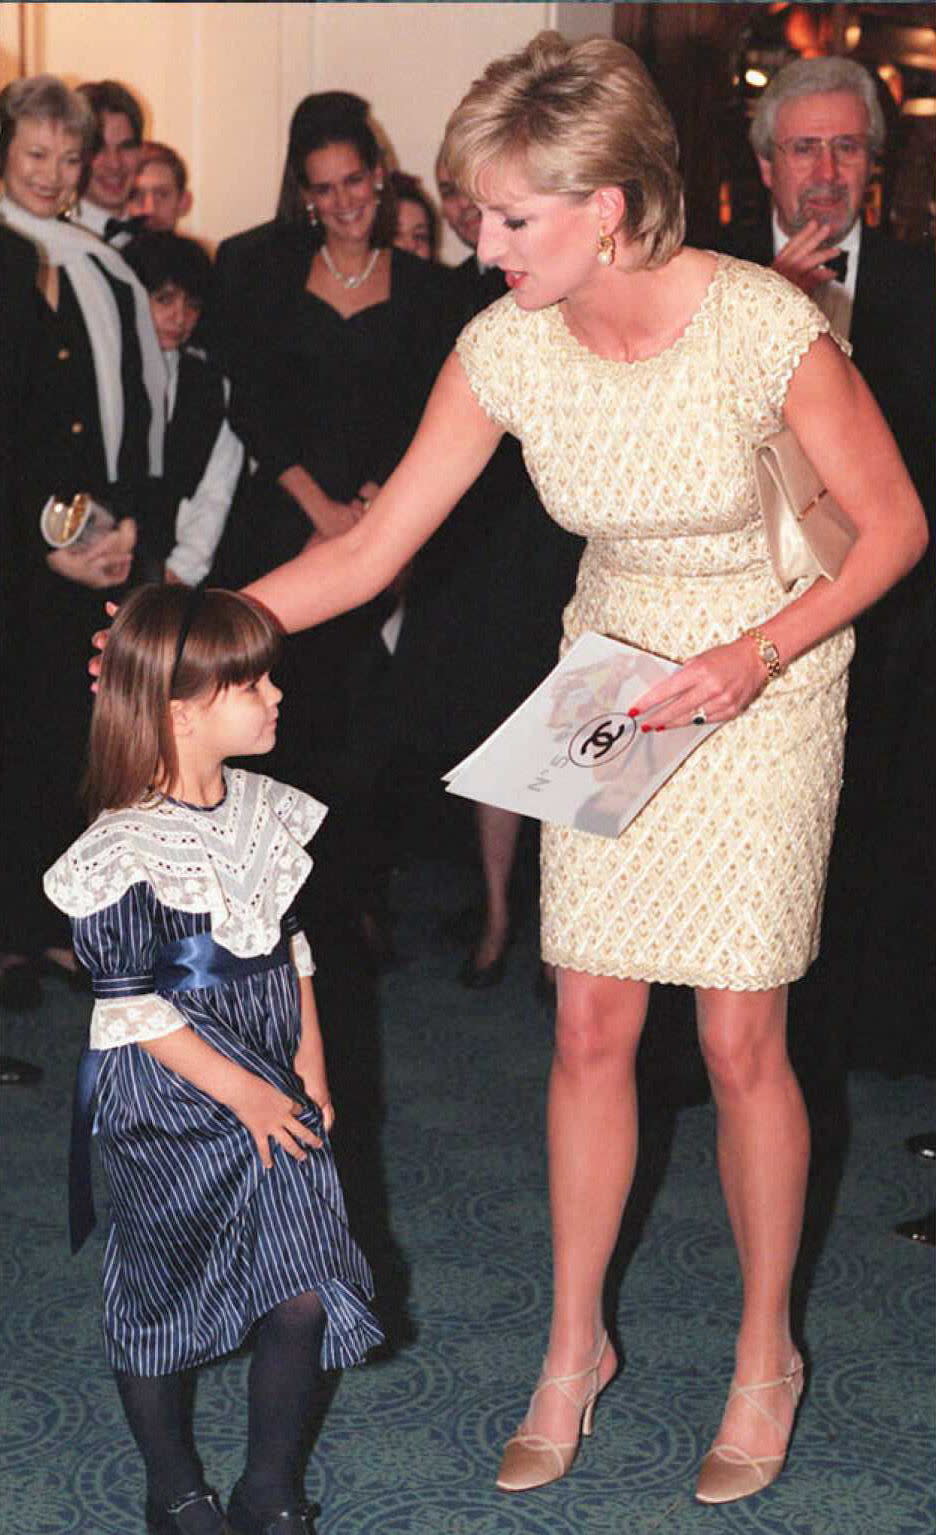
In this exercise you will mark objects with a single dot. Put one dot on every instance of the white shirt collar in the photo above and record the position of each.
(91, 216)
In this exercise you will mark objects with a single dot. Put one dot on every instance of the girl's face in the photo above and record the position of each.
(544, 242)
(343, 192)
(412, 229)
(239, 721)
(43, 166)
(175, 315)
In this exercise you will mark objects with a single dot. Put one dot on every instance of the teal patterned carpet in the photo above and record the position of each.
(441, 1097)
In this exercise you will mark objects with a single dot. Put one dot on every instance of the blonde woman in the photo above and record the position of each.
(639, 374)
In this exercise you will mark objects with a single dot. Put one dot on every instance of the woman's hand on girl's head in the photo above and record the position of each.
(99, 640)
(270, 1115)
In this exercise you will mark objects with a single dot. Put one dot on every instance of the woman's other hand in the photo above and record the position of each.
(717, 685)
(105, 562)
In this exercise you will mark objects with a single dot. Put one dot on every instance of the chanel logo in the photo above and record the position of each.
(601, 740)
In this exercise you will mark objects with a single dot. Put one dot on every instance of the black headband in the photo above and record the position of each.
(192, 606)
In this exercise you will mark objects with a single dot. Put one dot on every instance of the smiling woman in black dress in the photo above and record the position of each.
(333, 340)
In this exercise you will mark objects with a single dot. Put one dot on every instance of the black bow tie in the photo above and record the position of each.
(838, 265)
(115, 227)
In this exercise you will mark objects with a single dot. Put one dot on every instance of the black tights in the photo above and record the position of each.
(281, 1387)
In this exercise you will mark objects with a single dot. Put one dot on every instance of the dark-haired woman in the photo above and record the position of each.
(333, 340)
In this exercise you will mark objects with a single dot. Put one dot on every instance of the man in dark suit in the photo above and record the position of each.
(815, 132)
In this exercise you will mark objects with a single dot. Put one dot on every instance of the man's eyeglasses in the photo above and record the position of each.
(846, 148)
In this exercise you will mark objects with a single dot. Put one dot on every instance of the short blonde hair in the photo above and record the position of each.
(577, 116)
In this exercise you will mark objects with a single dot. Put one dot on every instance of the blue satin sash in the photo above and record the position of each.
(186, 964)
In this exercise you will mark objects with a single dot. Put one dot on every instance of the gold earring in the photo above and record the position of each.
(313, 216)
(606, 250)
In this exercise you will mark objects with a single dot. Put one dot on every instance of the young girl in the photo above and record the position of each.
(212, 1105)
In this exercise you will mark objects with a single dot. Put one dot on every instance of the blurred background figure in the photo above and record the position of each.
(417, 224)
(159, 193)
(106, 184)
(204, 459)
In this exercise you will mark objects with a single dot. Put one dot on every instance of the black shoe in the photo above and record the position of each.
(198, 1513)
(923, 1146)
(14, 1073)
(245, 1520)
(921, 1229)
(480, 977)
(20, 990)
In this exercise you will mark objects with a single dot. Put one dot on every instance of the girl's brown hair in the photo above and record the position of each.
(228, 639)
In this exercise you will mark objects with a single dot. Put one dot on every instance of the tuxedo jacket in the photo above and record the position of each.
(893, 337)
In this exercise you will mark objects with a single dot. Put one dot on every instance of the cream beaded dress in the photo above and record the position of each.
(719, 880)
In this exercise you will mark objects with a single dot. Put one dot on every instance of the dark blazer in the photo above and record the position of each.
(893, 337)
(876, 962)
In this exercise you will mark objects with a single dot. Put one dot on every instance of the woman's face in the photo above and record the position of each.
(544, 242)
(43, 166)
(343, 192)
(413, 232)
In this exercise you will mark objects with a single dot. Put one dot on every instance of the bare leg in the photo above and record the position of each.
(497, 838)
(763, 1160)
(592, 1131)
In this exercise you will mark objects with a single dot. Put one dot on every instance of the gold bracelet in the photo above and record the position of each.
(767, 651)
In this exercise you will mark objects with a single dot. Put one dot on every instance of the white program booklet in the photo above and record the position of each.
(570, 753)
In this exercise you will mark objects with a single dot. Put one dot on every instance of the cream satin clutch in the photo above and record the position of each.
(808, 534)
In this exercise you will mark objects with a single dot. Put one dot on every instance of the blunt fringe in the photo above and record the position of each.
(575, 117)
(232, 639)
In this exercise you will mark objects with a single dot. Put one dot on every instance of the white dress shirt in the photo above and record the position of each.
(200, 518)
(834, 298)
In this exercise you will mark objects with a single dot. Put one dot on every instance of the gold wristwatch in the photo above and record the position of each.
(767, 651)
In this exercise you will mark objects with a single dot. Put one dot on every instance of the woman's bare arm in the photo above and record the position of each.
(836, 418)
(454, 442)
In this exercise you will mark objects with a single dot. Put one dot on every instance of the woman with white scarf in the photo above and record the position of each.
(90, 418)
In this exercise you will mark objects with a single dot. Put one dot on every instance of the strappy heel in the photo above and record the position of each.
(728, 1472)
(533, 1460)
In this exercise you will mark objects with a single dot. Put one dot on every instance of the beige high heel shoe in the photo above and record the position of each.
(728, 1472)
(532, 1460)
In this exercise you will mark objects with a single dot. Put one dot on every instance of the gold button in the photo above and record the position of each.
(63, 354)
(77, 426)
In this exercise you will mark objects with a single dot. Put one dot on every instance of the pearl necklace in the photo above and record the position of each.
(354, 281)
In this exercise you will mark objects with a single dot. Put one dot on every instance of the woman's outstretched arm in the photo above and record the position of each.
(454, 442)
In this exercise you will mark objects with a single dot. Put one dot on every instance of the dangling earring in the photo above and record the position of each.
(313, 216)
(606, 250)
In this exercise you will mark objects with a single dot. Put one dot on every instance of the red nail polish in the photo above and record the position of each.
(632, 713)
(645, 728)
(659, 727)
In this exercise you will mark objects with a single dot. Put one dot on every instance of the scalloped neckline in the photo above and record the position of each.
(641, 362)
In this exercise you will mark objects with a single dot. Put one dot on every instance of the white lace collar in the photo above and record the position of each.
(242, 861)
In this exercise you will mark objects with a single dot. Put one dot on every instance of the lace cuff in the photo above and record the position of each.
(301, 954)
(132, 1020)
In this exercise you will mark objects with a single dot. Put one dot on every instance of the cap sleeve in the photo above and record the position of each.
(488, 352)
(117, 945)
(772, 327)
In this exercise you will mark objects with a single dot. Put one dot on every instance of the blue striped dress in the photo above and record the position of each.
(202, 1241)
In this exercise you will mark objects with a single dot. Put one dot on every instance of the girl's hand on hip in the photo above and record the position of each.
(270, 1115)
(715, 686)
